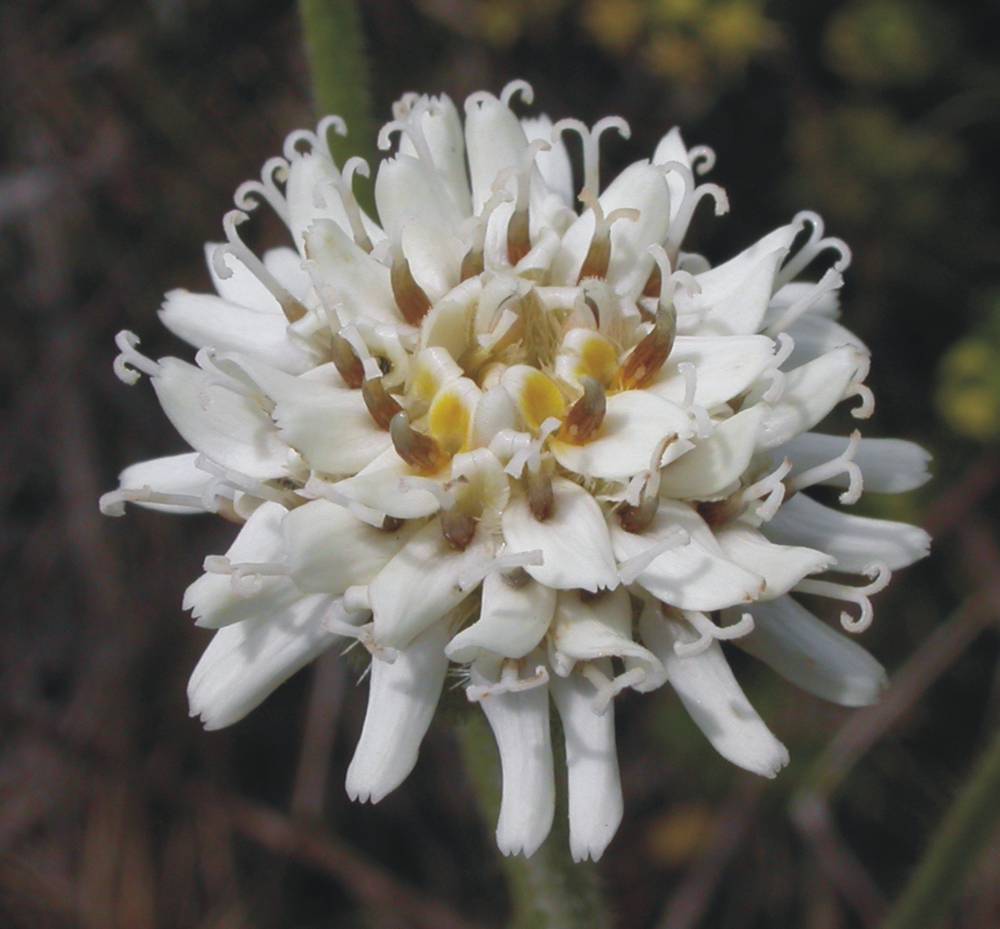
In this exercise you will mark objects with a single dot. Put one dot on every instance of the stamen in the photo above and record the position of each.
(235, 246)
(541, 498)
(830, 281)
(631, 568)
(476, 226)
(843, 464)
(249, 194)
(249, 485)
(381, 405)
(130, 364)
(705, 155)
(703, 423)
(413, 303)
(645, 360)
(346, 361)
(786, 345)
(317, 141)
(509, 683)
(609, 687)
(344, 185)
(815, 244)
(510, 565)
(709, 632)
(692, 197)
(599, 254)
(113, 502)
(587, 414)
(419, 451)
(518, 229)
(880, 575)
(770, 491)
(590, 139)
(246, 577)
(642, 500)
(458, 528)
(520, 88)
(526, 453)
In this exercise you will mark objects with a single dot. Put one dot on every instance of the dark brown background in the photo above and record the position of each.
(125, 128)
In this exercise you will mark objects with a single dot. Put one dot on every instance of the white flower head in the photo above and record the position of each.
(514, 425)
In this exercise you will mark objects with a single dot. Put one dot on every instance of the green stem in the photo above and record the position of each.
(548, 890)
(955, 849)
(335, 45)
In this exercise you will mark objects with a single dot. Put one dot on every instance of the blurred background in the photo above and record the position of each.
(125, 128)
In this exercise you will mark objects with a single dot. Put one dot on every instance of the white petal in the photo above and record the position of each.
(330, 427)
(406, 190)
(448, 324)
(242, 287)
(694, 576)
(828, 303)
(635, 423)
(715, 463)
(245, 662)
(714, 700)
(725, 366)
(312, 195)
(814, 336)
(813, 656)
(889, 466)
(494, 140)
(226, 427)
(175, 474)
(512, 621)
(347, 278)
(855, 541)
(442, 130)
(553, 164)
(288, 268)
(737, 292)
(328, 550)
(204, 319)
(520, 724)
(811, 391)
(590, 628)
(214, 601)
(573, 540)
(781, 566)
(435, 257)
(595, 790)
(419, 585)
(379, 487)
(402, 697)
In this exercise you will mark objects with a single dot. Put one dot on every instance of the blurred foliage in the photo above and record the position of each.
(126, 128)
(968, 397)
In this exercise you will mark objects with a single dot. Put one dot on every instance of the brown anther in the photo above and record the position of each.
(458, 528)
(638, 518)
(594, 309)
(515, 578)
(472, 264)
(419, 451)
(293, 309)
(541, 499)
(598, 255)
(518, 236)
(646, 359)
(413, 303)
(392, 523)
(718, 512)
(382, 406)
(653, 283)
(346, 361)
(586, 415)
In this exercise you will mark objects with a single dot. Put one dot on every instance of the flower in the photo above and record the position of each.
(551, 447)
